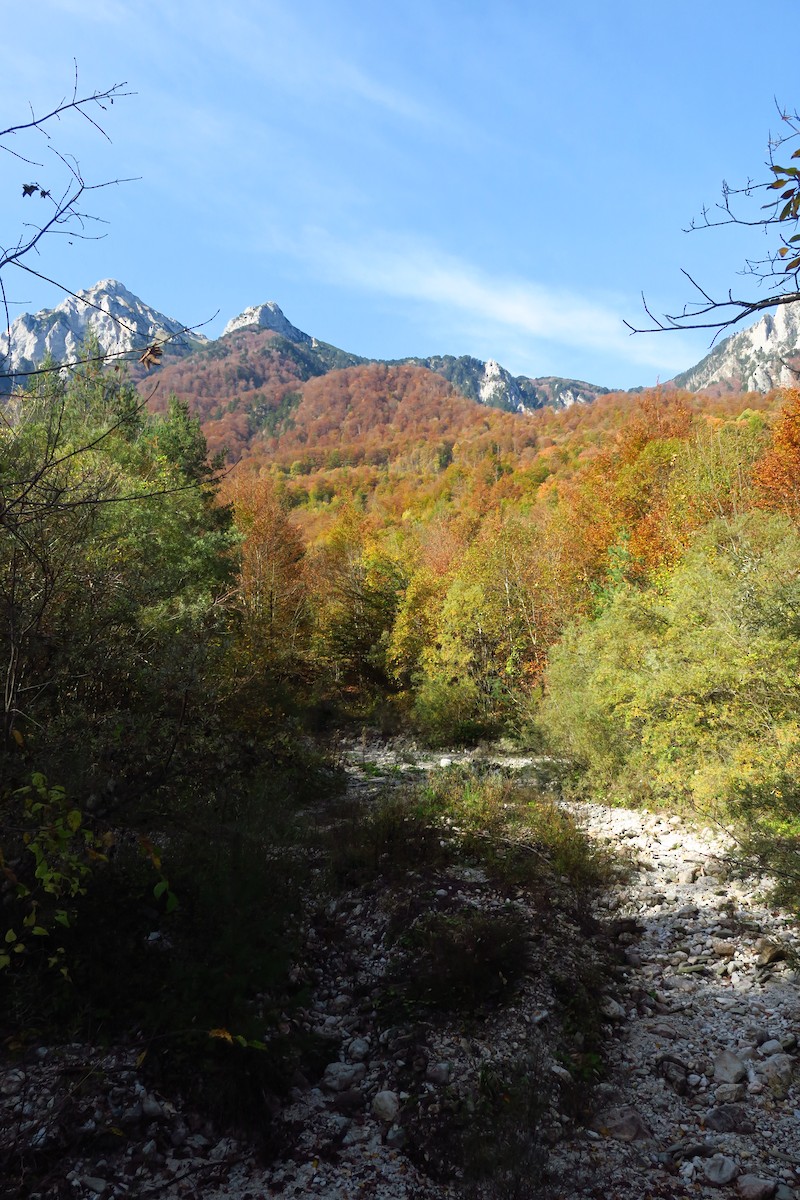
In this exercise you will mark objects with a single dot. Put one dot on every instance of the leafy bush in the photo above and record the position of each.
(113, 561)
(462, 961)
(447, 712)
(160, 877)
(688, 693)
(197, 970)
(57, 851)
(502, 1149)
(520, 834)
(489, 1138)
(677, 691)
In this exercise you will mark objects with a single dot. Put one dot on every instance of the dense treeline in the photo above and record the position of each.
(147, 754)
(451, 568)
(617, 582)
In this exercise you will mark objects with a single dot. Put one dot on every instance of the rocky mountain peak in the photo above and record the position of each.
(757, 359)
(120, 321)
(267, 316)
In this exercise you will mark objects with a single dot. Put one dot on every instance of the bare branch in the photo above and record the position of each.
(111, 94)
(780, 268)
(65, 214)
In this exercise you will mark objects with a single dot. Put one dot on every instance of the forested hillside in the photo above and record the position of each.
(615, 585)
(400, 762)
(617, 582)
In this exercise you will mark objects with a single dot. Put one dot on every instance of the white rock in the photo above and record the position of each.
(756, 359)
(777, 1071)
(120, 321)
(720, 1170)
(339, 1076)
(266, 316)
(358, 1050)
(728, 1068)
(386, 1106)
(438, 1073)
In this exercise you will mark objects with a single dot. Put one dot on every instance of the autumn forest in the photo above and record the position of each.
(213, 572)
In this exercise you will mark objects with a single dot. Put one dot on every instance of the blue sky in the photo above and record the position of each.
(496, 179)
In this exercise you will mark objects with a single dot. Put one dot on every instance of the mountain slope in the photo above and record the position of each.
(120, 321)
(249, 387)
(377, 412)
(765, 356)
(484, 382)
(489, 383)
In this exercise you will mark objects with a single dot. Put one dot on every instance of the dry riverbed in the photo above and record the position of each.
(691, 998)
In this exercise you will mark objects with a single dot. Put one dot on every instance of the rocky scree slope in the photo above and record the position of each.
(697, 1024)
(702, 1096)
(414, 1066)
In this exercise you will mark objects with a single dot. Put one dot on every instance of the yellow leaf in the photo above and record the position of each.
(18, 738)
(222, 1034)
(141, 1058)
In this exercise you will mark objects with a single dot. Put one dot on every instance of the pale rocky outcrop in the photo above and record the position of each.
(266, 316)
(120, 321)
(757, 359)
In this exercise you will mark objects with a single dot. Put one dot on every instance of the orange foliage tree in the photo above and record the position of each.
(272, 588)
(777, 475)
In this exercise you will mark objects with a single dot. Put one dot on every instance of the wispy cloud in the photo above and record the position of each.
(291, 53)
(518, 311)
(349, 78)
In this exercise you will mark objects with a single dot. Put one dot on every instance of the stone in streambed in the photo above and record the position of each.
(340, 1076)
(777, 1073)
(728, 1068)
(720, 1170)
(750, 1187)
(386, 1106)
(623, 1124)
(728, 1118)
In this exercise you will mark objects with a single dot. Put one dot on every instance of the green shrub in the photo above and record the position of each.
(520, 834)
(462, 961)
(490, 1138)
(689, 693)
(449, 713)
(210, 951)
(388, 842)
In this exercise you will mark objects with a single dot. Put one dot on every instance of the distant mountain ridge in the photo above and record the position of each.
(120, 321)
(757, 359)
(489, 383)
(484, 382)
(765, 356)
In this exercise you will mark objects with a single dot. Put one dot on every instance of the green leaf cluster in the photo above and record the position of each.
(689, 691)
(113, 560)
